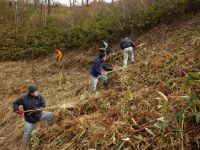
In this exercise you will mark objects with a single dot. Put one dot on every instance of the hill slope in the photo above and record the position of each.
(128, 109)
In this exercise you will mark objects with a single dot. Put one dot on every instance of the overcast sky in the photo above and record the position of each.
(66, 2)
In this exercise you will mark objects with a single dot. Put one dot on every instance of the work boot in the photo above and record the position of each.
(25, 147)
(106, 83)
(50, 123)
(105, 86)
(132, 62)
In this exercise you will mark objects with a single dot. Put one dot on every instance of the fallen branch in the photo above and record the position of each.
(140, 45)
(122, 68)
(59, 107)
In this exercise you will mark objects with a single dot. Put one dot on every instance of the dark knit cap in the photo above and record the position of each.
(102, 55)
(32, 89)
(125, 36)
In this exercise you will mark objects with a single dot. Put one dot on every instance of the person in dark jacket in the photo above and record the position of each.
(96, 72)
(32, 101)
(127, 45)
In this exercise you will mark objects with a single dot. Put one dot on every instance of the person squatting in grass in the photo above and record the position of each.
(59, 55)
(32, 101)
(96, 72)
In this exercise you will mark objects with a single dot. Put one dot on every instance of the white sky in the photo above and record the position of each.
(66, 2)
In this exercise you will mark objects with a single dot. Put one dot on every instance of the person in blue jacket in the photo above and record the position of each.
(96, 72)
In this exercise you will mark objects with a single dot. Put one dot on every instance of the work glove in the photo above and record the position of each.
(110, 69)
(19, 112)
(106, 83)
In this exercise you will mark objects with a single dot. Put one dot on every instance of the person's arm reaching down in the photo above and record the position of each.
(121, 45)
(107, 68)
(42, 102)
(133, 44)
(16, 105)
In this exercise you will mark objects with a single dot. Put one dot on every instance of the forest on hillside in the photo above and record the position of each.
(35, 29)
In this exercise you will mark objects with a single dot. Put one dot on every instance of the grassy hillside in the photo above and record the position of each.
(142, 109)
(28, 32)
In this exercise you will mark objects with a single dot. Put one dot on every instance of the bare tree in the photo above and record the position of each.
(41, 8)
(44, 17)
(10, 3)
(16, 13)
(123, 9)
(74, 7)
(87, 2)
(35, 3)
(70, 3)
(49, 6)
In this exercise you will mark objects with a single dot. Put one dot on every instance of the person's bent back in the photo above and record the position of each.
(127, 45)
